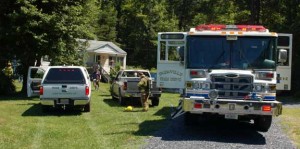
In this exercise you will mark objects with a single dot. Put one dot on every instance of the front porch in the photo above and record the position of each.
(105, 56)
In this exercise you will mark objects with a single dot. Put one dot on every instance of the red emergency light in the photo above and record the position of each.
(218, 27)
(212, 27)
(258, 28)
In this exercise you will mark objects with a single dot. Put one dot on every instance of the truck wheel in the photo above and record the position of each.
(87, 107)
(113, 97)
(190, 119)
(155, 101)
(122, 101)
(263, 123)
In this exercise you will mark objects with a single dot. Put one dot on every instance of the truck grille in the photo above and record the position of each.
(232, 85)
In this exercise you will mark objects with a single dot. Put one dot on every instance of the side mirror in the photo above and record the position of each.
(282, 56)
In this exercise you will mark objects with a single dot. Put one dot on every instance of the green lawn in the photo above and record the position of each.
(24, 125)
(290, 120)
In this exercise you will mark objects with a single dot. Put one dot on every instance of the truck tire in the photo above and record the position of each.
(155, 101)
(263, 123)
(87, 107)
(190, 119)
(113, 97)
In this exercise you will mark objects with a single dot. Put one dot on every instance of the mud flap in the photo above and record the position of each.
(178, 111)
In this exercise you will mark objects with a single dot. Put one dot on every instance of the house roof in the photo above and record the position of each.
(103, 47)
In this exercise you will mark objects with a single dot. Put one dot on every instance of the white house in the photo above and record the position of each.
(104, 53)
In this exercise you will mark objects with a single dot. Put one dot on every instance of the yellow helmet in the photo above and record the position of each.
(129, 108)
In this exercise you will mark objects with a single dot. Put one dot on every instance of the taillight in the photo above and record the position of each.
(197, 105)
(125, 86)
(41, 90)
(87, 90)
(266, 108)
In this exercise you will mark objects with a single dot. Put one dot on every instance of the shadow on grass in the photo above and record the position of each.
(228, 131)
(129, 101)
(14, 96)
(105, 95)
(36, 110)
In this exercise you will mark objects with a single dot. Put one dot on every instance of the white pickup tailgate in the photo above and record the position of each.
(64, 91)
(132, 84)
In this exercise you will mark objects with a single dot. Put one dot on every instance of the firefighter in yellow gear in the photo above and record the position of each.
(144, 89)
(8, 70)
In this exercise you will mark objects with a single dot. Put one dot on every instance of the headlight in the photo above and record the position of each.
(258, 88)
(205, 86)
(264, 88)
(264, 75)
(213, 94)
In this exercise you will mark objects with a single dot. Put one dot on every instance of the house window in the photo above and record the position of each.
(111, 61)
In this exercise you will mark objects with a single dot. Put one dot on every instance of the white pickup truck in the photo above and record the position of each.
(124, 86)
(65, 86)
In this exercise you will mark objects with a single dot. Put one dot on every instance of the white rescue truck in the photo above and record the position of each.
(229, 71)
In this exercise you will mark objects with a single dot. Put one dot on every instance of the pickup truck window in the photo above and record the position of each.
(65, 75)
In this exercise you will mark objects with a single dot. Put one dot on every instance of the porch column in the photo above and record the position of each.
(124, 61)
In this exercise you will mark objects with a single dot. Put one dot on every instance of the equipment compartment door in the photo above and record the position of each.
(284, 68)
(171, 59)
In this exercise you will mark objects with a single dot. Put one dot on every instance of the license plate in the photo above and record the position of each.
(231, 116)
(64, 101)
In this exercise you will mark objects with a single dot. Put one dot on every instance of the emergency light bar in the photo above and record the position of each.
(218, 27)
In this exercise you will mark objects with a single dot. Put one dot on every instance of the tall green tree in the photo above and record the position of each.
(35, 28)
(106, 21)
(139, 23)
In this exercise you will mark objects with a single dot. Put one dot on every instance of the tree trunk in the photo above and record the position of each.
(24, 73)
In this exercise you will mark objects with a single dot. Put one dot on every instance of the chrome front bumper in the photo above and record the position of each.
(200, 105)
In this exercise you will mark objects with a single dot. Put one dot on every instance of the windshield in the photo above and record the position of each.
(215, 52)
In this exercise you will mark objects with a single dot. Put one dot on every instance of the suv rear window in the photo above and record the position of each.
(65, 75)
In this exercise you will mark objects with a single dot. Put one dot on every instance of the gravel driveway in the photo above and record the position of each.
(222, 134)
